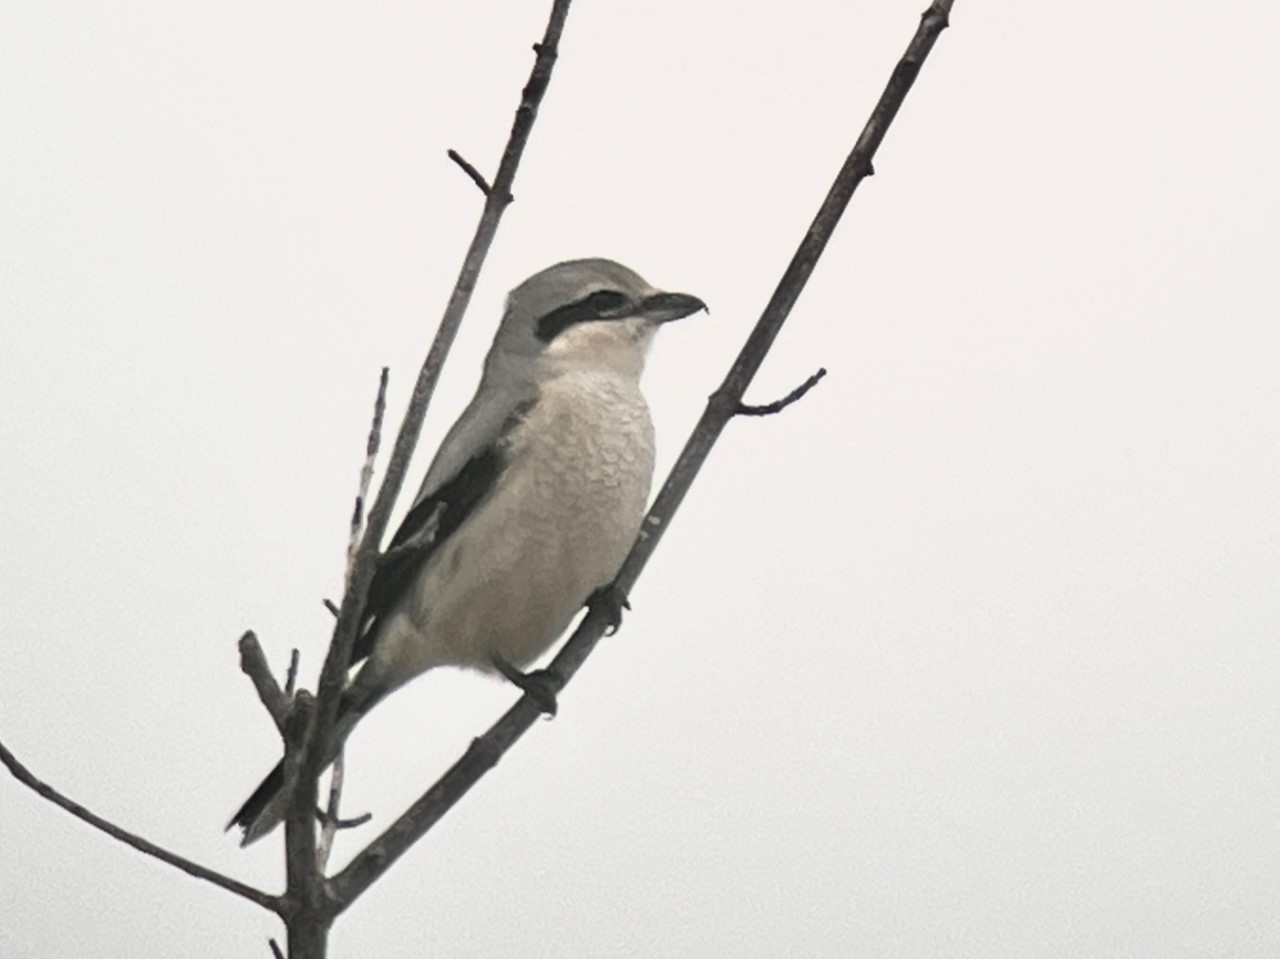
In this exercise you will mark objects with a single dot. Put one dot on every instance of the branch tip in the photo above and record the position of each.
(476, 176)
(372, 443)
(253, 663)
(291, 677)
(324, 819)
(777, 406)
(144, 846)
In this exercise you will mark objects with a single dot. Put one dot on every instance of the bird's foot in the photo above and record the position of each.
(541, 685)
(614, 601)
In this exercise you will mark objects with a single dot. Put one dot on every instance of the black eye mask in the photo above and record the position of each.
(600, 305)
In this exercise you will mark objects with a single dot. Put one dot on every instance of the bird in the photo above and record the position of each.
(529, 506)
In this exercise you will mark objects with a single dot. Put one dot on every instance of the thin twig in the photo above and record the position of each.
(777, 406)
(275, 949)
(476, 176)
(333, 675)
(366, 471)
(484, 752)
(291, 674)
(254, 665)
(28, 779)
(724, 403)
(340, 824)
(329, 822)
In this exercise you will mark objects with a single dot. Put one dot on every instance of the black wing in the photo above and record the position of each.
(431, 521)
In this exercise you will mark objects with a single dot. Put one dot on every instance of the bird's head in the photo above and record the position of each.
(584, 314)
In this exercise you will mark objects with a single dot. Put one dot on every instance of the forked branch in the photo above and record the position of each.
(333, 676)
(723, 405)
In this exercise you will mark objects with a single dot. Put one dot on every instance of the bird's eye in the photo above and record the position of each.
(607, 302)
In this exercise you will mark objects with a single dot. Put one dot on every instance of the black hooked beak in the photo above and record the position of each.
(665, 307)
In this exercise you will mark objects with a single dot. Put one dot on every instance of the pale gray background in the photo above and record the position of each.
(972, 653)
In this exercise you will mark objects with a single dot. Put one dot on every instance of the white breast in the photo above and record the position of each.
(565, 512)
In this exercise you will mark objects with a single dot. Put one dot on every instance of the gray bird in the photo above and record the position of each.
(530, 505)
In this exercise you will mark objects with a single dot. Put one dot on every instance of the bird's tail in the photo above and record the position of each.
(263, 810)
(247, 815)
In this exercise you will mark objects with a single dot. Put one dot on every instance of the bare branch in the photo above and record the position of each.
(308, 935)
(366, 471)
(339, 823)
(329, 821)
(295, 810)
(724, 403)
(254, 665)
(28, 779)
(311, 909)
(480, 757)
(275, 949)
(333, 675)
(777, 406)
(484, 752)
(291, 675)
(306, 914)
(476, 176)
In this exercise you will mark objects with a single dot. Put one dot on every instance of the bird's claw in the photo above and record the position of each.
(614, 601)
(541, 685)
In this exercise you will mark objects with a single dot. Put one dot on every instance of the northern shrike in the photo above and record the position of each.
(530, 504)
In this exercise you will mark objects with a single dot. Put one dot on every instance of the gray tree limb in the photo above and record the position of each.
(722, 406)
(310, 907)
(27, 778)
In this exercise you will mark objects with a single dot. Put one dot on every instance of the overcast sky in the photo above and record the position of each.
(974, 652)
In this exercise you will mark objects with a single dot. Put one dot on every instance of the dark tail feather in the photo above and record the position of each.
(247, 816)
(255, 804)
